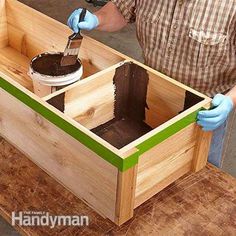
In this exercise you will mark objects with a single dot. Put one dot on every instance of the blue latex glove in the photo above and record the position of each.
(211, 119)
(90, 21)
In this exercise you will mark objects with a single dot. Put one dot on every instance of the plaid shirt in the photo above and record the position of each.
(192, 41)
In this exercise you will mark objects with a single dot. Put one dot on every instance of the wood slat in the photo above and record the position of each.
(83, 172)
(18, 68)
(165, 163)
(3, 25)
(194, 204)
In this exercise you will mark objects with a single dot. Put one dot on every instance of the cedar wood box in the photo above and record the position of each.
(112, 181)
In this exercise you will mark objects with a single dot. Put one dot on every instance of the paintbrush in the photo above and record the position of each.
(72, 48)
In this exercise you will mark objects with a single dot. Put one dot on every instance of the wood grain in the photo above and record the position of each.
(3, 25)
(196, 204)
(164, 164)
(86, 174)
(165, 100)
(125, 195)
(92, 103)
(202, 149)
(25, 33)
(32, 33)
(18, 68)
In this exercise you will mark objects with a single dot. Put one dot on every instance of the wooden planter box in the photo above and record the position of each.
(57, 132)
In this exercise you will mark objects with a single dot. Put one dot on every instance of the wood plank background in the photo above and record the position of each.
(203, 203)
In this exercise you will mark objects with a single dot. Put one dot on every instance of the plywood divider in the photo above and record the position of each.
(93, 104)
(91, 78)
(3, 25)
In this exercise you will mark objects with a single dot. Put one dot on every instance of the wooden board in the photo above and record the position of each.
(62, 144)
(165, 100)
(97, 57)
(195, 204)
(42, 33)
(83, 172)
(51, 36)
(91, 103)
(17, 68)
(202, 149)
(126, 184)
(165, 163)
(3, 25)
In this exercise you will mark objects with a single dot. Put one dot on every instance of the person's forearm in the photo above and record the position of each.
(232, 94)
(110, 19)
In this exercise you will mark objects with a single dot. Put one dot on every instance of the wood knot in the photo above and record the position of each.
(90, 112)
(90, 61)
(39, 120)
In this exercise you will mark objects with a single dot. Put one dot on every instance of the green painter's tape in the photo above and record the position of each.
(168, 132)
(108, 155)
(164, 134)
(99, 149)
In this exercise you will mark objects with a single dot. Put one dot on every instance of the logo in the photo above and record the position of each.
(45, 219)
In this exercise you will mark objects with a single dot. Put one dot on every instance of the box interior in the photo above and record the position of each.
(25, 33)
(124, 103)
(117, 112)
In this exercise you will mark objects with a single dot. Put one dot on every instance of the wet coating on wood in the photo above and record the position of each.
(131, 83)
(196, 204)
(50, 64)
(58, 101)
(121, 132)
(191, 100)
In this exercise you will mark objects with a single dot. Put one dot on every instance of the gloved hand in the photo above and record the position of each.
(221, 107)
(90, 21)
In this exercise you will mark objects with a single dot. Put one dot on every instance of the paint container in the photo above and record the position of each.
(48, 76)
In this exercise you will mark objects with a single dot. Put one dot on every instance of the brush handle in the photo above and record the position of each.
(82, 14)
(81, 19)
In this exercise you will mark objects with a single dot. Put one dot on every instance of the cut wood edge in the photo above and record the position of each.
(126, 184)
(83, 81)
(202, 149)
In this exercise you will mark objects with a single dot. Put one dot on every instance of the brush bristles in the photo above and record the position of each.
(68, 60)
(71, 52)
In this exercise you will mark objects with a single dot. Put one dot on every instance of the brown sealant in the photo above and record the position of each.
(50, 64)
(131, 82)
(58, 102)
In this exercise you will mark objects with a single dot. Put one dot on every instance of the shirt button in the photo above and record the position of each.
(175, 26)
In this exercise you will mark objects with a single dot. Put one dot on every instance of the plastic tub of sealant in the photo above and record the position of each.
(48, 76)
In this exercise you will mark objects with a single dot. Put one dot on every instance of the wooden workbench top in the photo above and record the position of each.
(197, 204)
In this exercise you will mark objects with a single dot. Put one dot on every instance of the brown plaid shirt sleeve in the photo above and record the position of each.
(192, 41)
(127, 9)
